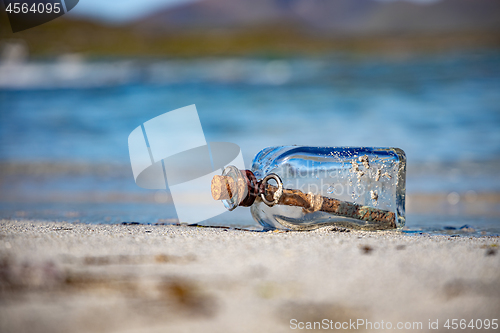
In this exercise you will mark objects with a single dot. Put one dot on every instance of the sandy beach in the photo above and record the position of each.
(61, 277)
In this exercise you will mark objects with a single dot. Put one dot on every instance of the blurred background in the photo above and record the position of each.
(421, 75)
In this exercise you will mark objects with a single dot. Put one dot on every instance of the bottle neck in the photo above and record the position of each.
(235, 188)
(252, 187)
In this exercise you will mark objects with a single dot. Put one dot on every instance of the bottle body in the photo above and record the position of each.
(370, 178)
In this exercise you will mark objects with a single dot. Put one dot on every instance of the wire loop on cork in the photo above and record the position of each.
(277, 194)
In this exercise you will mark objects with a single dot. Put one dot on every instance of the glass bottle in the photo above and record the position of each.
(303, 188)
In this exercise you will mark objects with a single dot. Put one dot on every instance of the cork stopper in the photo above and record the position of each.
(223, 188)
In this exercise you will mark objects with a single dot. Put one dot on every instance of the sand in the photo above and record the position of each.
(61, 277)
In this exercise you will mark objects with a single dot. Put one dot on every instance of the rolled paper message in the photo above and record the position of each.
(224, 187)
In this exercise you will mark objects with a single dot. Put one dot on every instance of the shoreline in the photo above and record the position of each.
(59, 277)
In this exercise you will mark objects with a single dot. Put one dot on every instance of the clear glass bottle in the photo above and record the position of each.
(302, 188)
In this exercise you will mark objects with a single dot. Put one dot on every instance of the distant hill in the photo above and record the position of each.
(329, 17)
(272, 28)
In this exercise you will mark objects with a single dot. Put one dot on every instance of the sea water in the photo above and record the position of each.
(64, 129)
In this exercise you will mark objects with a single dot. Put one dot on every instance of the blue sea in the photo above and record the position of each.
(64, 125)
